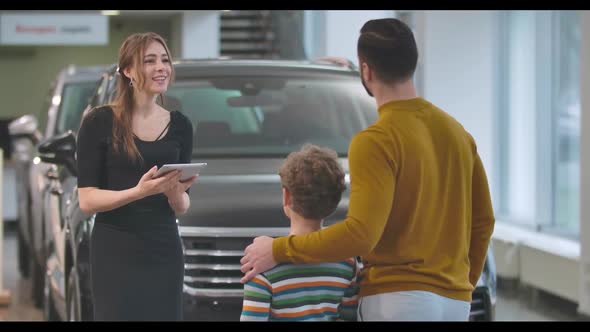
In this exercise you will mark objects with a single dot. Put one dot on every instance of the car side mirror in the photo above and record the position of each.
(60, 150)
(25, 126)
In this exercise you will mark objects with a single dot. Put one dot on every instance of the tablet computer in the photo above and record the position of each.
(188, 170)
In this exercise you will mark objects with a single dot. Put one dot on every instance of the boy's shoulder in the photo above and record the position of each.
(347, 262)
(293, 270)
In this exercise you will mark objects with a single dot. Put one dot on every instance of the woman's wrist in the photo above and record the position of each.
(175, 199)
(174, 196)
(136, 193)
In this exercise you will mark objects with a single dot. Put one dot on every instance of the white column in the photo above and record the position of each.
(4, 293)
(1, 221)
(418, 26)
(458, 67)
(198, 33)
(175, 42)
(335, 32)
(314, 33)
(584, 296)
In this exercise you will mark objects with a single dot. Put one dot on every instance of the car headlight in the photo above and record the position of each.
(488, 275)
(491, 274)
(480, 282)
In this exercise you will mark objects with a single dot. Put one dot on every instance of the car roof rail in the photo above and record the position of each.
(344, 62)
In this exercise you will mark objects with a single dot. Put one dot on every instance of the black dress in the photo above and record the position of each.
(136, 258)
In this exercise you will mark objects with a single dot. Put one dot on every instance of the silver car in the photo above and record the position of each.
(69, 93)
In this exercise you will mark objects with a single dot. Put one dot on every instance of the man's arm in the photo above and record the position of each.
(372, 175)
(257, 297)
(482, 223)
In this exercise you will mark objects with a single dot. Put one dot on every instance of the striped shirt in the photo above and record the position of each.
(303, 292)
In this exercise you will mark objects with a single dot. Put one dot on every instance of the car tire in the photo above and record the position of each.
(24, 264)
(49, 312)
(38, 284)
(74, 312)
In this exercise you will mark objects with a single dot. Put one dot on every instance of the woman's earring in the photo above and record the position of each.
(130, 83)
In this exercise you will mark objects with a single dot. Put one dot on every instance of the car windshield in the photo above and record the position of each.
(75, 97)
(269, 116)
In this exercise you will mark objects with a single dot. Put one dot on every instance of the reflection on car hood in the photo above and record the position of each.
(240, 193)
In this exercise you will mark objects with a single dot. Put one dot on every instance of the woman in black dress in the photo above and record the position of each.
(136, 259)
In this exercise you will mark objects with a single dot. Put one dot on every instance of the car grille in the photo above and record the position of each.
(212, 258)
(212, 264)
(480, 305)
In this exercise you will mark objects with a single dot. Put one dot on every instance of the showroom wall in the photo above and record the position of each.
(27, 71)
(458, 68)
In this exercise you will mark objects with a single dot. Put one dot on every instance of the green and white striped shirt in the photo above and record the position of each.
(303, 292)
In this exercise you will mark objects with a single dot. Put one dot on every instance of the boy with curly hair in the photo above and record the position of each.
(313, 182)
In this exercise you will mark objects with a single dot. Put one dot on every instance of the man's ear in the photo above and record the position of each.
(367, 72)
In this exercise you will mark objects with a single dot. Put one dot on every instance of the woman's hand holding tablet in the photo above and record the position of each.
(187, 170)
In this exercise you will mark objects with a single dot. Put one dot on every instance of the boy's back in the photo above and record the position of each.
(312, 182)
(303, 292)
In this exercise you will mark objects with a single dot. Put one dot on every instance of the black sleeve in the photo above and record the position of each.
(186, 141)
(89, 150)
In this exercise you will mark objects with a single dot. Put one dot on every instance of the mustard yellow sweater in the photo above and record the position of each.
(420, 212)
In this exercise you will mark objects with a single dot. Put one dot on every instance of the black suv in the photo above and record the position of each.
(247, 116)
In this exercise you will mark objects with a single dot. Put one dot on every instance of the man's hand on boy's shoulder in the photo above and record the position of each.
(257, 258)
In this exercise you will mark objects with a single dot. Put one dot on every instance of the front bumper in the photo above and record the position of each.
(202, 308)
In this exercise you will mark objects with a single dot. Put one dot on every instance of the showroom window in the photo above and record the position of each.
(538, 120)
(414, 19)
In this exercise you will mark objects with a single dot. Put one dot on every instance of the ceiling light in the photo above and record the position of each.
(110, 12)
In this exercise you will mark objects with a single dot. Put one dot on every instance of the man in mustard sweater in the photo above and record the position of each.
(420, 212)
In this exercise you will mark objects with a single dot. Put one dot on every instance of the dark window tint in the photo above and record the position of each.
(75, 98)
(269, 116)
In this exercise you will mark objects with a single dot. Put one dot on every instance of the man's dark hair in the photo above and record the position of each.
(388, 46)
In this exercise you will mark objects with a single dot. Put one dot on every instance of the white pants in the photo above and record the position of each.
(412, 306)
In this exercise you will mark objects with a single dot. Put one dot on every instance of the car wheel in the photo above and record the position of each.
(73, 297)
(24, 263)
(49, 312)
(38, 287)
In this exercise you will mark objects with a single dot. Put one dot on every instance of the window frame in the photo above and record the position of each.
(546, 122)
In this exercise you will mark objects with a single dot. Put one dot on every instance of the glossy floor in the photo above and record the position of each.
(513, 304)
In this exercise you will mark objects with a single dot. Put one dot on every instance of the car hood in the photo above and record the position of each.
(242, 193)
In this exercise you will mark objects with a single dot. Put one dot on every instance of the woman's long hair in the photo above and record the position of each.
(131, 54)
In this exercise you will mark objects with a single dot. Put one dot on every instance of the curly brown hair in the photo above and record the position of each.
(314, 178)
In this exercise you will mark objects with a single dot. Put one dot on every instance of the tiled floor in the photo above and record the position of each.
(512, 305)
(521, 304)
(21, 306)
